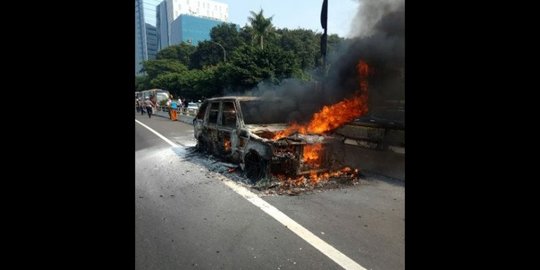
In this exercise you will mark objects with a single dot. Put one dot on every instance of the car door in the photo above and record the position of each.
(210, 127)
(199, 119)
(227, 127)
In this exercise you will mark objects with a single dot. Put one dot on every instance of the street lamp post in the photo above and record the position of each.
(224, 52)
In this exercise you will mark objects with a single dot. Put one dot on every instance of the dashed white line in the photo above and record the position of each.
(325, 248)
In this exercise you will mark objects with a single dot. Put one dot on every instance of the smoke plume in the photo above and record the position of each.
(379, 40)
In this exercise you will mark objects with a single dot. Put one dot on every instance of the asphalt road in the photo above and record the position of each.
(186, 217)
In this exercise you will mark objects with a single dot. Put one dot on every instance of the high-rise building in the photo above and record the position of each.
(146, 38)
(151, 41)
(150, 7)
(201, 14)
(191, 29)
(141, 53)
(162, 25)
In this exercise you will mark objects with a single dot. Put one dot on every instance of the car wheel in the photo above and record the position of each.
(255, 167)
(202, 146)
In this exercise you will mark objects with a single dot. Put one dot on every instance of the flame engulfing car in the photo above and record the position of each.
(243, 130)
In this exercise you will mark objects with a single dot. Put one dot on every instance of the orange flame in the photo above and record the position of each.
(328, 119)
(227, 144)
(311, 153)
(363, 71)
(334, 116)
(315, 178)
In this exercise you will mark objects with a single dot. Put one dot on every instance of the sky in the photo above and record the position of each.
(290, 14)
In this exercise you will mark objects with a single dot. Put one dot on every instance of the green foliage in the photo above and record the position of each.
(157, 67)
(334, 41)
(142, 83)
(256, 53)
(180, 53)
(207, 54)
(246, 35)
(168, 81)
(227, 35)
(261, 26)
(248, 66)
(303, 44)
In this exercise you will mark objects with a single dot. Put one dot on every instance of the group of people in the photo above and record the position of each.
(149, 105)
(145, 106)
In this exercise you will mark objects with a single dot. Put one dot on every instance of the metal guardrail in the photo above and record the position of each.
(365, 136)
(180, 111)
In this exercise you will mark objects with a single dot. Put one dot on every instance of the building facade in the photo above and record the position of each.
(162, 25)
(141, 52)
(151, 41)
(150, 7)
(191, 29)
(199, 14)
(200, 8)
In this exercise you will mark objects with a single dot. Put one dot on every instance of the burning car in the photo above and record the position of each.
(243, 130)
(249, 131)
(260, 134)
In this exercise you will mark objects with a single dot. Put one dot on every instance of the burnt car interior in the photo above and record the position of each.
(243, 130)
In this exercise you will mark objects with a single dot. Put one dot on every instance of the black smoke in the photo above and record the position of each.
(382, 46)
(379, 40)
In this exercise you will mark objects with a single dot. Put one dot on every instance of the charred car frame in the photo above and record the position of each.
(242, 130)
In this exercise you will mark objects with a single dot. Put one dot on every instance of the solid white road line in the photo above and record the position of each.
(159, 135)
(325, 248)
(292, 225)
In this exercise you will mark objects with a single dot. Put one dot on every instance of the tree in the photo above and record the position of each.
(227, 35)
(246, 34)
(248, 66)
(142, 83)
(206, 54)
(262, 27)
(157, 67)
(303, 44)
(168, 81)
(334, 42)
(181, 52)
(206, 84)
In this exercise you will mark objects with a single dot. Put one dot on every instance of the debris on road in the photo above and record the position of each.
(276, 184)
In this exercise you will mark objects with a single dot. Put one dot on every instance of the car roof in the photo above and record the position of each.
(241, 98)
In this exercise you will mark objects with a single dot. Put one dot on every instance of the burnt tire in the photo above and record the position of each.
(202, 146)
(255, 167)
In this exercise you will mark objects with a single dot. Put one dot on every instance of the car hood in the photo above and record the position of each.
(266, 127)
(266, 131)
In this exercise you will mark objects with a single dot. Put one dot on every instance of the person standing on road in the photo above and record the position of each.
(181, 104)
(168, 104)
(141, 105)
(186, 103)
(174, 106)
(149, 106)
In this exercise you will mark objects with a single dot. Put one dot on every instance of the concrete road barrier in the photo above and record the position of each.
(369, 148)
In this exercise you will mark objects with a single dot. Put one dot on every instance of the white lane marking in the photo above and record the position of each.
(325, 248)
(159, 135)
(292, 225)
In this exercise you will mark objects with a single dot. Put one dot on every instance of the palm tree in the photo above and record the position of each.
(261, 26)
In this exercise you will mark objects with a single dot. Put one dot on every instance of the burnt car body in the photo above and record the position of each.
(242, 130)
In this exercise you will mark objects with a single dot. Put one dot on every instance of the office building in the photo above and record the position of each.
(151, 41)
(198, 18)
(141, 52)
